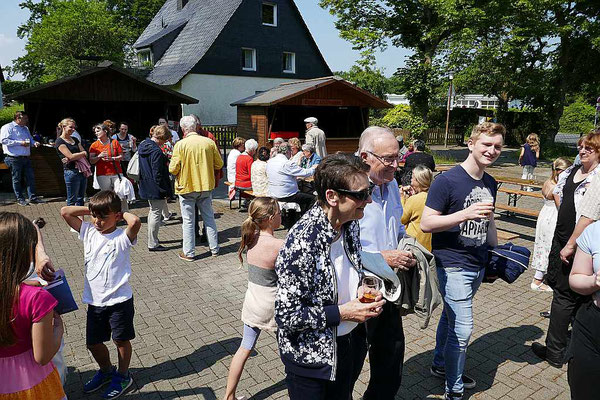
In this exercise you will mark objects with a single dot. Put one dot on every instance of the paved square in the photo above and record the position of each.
(188, 322)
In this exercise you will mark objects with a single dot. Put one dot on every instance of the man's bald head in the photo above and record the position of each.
(371, 135)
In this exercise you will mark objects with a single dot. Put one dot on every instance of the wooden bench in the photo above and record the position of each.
(3, 165)
(518, 210)
(240, 193)
(504, 235)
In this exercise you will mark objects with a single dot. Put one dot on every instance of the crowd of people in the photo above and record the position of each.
(325, 289)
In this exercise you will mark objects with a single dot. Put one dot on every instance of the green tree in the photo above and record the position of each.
(401, 116)
(420, 25)
(578, 117)
(370, 79)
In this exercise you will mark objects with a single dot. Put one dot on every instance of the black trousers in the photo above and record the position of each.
(304, 200)
(565, 303)
(584, 353)
(386, 354)
(351, 352)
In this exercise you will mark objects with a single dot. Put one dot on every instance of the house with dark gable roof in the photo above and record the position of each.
(219, 51)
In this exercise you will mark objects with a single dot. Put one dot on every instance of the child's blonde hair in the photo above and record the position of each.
(558, 166)
(533, 140)
(423, 176)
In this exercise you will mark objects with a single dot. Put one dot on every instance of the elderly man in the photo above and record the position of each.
(380, 231)
(16, 144)
(194, 163)
(282, 174)
(163, 122)
(315, 136)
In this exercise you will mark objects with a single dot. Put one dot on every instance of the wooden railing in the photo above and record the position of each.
(224, 135)
(433, 135)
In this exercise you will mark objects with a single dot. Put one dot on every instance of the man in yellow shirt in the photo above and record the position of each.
(193, 164)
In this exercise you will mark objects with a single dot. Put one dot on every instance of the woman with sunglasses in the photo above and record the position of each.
(321, 337)
(544, 229)
(570, 189)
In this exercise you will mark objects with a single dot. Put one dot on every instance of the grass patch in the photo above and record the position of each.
(443, 159)
(551, 151)
(8, 113)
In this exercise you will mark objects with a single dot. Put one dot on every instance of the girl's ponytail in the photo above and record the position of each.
(250, 231)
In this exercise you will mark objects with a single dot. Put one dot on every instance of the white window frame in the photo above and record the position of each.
(293, 56)
(253, 68)
(146, 54)
(266, 3)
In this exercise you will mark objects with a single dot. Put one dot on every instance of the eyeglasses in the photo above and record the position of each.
(387, 161)
(360, 195)
(585, 149)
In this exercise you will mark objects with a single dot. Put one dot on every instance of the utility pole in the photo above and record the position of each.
(451, 77)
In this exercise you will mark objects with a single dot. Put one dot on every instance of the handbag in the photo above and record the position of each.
(507, 262)
(133, 169)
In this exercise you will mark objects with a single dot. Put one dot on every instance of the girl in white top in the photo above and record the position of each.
(258, 310)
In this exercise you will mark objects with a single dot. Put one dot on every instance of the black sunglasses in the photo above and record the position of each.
(360, 195)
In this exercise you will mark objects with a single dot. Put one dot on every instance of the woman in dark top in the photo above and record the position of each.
(568, 192)
(419, 157)
(70, 150)
(154, 184)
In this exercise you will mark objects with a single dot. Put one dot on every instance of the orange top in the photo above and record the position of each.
(113, 149)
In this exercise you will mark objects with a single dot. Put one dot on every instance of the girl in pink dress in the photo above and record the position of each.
(30, 331)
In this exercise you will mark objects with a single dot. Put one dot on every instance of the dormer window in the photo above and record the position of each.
(181, 4)
(248, 59)
(289, 63)
(269, 14)
(144, 57)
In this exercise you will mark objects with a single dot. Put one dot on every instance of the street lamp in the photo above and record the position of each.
(451, 77)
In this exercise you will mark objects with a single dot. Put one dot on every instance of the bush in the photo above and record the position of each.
(401, 117)
(550, 151)
(577, 118)
(7, 114)
(10, 87)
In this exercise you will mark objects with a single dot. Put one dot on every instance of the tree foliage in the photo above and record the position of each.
(370, 79)
(401, 116)
(62, 34)
(578, 117)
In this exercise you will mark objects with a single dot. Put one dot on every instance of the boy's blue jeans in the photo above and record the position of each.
(458, 287)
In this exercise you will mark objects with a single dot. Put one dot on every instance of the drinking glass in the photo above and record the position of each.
(371, 286)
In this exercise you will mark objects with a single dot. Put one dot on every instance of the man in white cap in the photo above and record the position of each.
(315, 136)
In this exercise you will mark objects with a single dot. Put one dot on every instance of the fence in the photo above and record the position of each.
(433, 135)
(224, 134)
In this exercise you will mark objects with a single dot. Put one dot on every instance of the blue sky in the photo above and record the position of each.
(337, 52)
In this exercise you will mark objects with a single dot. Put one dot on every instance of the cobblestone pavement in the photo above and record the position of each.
(188, 322)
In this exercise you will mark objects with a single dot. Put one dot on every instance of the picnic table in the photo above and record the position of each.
(515, 194)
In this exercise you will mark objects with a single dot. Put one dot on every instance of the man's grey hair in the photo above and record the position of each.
(197, 119)
(367, 138)
(278, 141)
(308, 147)
(187, 124)
(251, 145)
(283, 148)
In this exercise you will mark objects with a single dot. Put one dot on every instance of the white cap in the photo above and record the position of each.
(311, 120)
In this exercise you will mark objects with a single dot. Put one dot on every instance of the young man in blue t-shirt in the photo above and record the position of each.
(459, 213)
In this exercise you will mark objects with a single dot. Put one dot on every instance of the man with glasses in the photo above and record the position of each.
(380, 231)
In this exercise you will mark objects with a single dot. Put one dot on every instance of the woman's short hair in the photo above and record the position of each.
(263, 154)
(487, 128)
(237, 142)
(110, 125)
(251, 145)
(592, 139)
(423, 176)
(65, 121)
(308, 147)
(295, 142)
(338, 171)
(162, 132)
(419, 145)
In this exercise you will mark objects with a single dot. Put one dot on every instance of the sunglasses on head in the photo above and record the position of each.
(361, 195)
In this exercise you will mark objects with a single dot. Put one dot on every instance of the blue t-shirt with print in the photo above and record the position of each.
(464, 245)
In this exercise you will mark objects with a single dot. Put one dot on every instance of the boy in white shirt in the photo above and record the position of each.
(106, 287)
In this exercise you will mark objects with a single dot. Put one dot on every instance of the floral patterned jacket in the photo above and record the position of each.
(579, 191)
(306, 309)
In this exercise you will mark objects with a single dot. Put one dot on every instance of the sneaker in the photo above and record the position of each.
(158, 248)
(540, 351)
(98, 380)
(118, 385)
(468, 382)
(36, 200)
(170, 216)
(453, 396)
(214, 253)
(22, 202)
(186, 258)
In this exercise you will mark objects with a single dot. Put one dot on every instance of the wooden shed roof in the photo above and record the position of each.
(106, 82)
(326, 91)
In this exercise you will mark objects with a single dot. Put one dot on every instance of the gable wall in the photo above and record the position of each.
(245, 29)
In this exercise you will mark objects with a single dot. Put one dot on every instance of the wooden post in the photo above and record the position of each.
(448, 115)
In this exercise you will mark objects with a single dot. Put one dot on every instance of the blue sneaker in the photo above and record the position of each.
(98, 380)
(118, 386)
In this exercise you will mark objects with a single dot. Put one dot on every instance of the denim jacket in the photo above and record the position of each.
(306, 309)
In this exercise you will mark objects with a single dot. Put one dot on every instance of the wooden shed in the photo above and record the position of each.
(103, 92)
(341, 108)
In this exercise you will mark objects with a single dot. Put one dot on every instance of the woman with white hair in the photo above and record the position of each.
(243, 166)
(310, 158)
